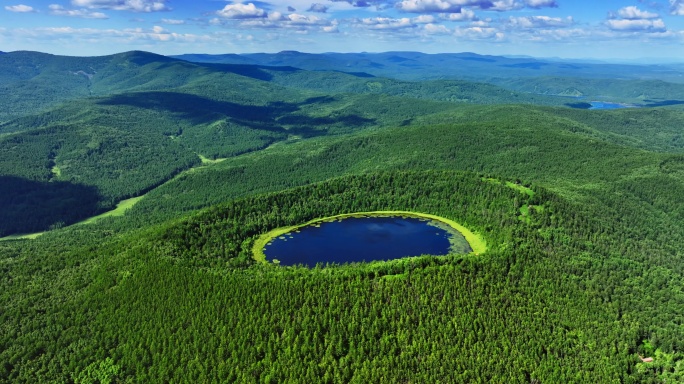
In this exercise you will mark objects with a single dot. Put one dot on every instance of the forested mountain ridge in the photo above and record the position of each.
(642, 84)
(87, 136)
(33, 81)
(96, 143)
(422, 66)
(581, 211)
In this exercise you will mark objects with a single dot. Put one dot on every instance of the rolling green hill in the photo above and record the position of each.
(33, 82)
(442, 90)
(649, 85)
(581, 211)
(156, 116)
(638, 92)
(99, 144)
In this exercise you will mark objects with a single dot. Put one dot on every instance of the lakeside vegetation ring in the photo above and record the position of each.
(476, 242)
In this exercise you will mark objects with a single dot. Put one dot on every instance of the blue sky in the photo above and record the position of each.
(602, 29)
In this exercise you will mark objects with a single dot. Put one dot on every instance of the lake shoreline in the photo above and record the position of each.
(476, 242)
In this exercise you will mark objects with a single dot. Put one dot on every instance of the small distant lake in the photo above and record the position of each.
(605, 105)
(357, 239)
(598, 105)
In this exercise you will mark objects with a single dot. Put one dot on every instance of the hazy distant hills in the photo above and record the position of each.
(649, 93)
(646, 85)
(32, 81)
(421, 66)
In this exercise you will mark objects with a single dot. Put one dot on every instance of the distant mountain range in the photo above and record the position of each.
(31, 81)
(468, 66)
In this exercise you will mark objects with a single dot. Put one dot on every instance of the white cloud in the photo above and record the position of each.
(632, 19)
(248, 16)
(386, 23)
(424, 19)
(82, 13)
(536, 4)
(540, 22)
(124, 5)
(641, 25)
(118, 36)
(677, 7)
(634, 13)
(455, 6)
(506, 5)
(241, 11)
(297, 19)
(317, 7)
(436, 29)
(464, 15)
(173, 21)
(568, 34)
(275, 16)
(332, 28)
(420, 6)
(20, 8)
(479, 33)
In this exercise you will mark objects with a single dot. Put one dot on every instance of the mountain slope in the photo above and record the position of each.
(33, 82)
(126, 144)
(649, 85)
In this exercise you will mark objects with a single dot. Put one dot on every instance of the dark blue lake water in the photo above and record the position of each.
(606, 105)
(365, 239)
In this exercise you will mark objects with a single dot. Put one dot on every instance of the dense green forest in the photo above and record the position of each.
(184, 302)
(581, 211)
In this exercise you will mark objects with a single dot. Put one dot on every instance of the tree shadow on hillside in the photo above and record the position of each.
(662, 103)
(271, 117)
(533, 65)
(259, 72)
(34, 206)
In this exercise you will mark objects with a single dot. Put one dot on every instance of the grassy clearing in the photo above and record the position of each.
(477, 243)
(521, 188)
(525, 212)
(22, 236)
(207, 161)
(120, 209)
